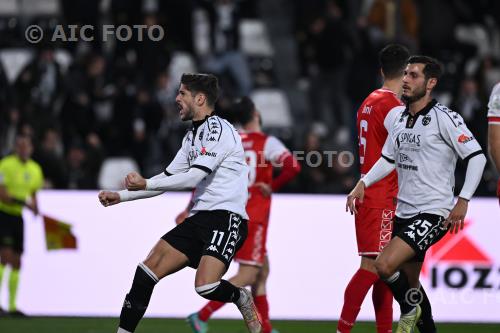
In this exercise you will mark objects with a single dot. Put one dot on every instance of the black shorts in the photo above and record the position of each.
(217, 233)
(420, 232)
(12, 232)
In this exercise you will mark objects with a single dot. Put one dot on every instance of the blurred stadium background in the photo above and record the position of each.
(100, 109)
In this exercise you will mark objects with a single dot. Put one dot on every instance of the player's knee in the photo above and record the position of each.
(384, 270)
(263, 274)
(207, 290)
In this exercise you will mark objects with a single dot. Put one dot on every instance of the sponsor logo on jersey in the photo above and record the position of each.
(409, 138)
(464, 138)
(204, 152)
(405, 158)
(407, 167)
(426, 120)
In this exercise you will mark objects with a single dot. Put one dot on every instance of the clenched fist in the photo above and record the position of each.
(135, 182)
(108, 198)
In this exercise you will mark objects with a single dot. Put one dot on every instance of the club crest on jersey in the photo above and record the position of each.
(464, 138)
(426, 120)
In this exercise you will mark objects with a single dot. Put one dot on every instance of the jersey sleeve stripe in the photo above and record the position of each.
(227, 123)
(493, 120)
(202, 168)
(387, 159)
(446, 113)
(472, 155)
(220, 134)
(168, 174)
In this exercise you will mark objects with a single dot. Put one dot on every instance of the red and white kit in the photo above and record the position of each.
(375, 214)
(262, 152)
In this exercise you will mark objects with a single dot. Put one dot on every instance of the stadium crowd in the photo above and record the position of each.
(118, 98)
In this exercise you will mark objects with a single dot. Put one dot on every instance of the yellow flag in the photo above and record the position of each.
(58, 234)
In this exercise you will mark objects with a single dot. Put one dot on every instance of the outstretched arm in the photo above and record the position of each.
(189, 179)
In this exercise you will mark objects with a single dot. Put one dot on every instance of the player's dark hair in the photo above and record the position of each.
(206, 84)
(432, 68)
(244, 109)
(393, 59)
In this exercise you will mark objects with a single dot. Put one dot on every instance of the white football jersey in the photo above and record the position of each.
(213, 145)
(494, 106)
(425, 148)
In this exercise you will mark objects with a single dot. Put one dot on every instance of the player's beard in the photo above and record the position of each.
(188, 113)
(417, 95)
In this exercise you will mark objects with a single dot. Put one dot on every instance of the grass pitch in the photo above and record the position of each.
(157, 325)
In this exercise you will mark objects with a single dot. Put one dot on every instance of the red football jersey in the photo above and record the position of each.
(372, 134)
(261, 151)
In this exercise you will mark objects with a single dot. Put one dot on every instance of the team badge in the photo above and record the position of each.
(426, 120)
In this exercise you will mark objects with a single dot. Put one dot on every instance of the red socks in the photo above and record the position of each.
(354, 295)
(263, 309)
(382, 302)
(212, 306)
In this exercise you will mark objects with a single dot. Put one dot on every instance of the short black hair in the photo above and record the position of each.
(202, 83)
(432, 68)
(244, 109)
(393, 59)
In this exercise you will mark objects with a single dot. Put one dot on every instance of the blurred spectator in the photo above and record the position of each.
(226, 56)
(314, 175)
(39, 89)
(332, 44)
(49, 154)
(84, 162)
(89, 107)
(119, 95)
(396, 20)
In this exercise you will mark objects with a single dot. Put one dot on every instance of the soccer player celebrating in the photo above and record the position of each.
(211, 160)
(262, 152)
(423, 144)
(374, 220)
(494, 130)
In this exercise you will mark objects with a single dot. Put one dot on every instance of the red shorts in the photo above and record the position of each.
(373, 230)
(253, 250)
